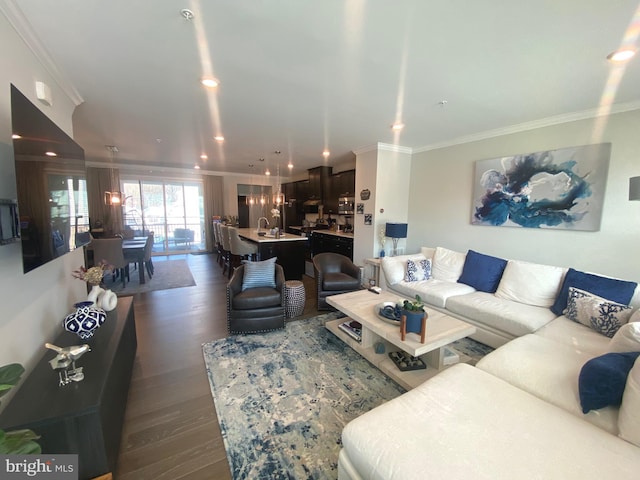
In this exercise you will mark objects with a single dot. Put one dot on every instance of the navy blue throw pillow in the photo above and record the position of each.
(602, 380)
(482, 272)
(619, 291)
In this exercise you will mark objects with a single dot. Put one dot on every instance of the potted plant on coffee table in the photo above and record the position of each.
(413, 318)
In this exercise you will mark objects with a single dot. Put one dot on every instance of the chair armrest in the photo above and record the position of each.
(235, 284)
(353, 270)
(279, 278)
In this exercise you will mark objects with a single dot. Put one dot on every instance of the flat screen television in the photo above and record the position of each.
(51, 185)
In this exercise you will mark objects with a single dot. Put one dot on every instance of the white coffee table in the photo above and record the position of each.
(441, 330)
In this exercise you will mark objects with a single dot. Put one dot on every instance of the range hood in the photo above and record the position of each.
(312, 202)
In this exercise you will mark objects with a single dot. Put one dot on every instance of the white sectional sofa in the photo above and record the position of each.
(520, 413)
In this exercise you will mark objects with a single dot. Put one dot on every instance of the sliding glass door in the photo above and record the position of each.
(173, 211)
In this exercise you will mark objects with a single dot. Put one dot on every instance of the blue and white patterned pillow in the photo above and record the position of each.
(600, 314)
(418, 270)
(259, 274)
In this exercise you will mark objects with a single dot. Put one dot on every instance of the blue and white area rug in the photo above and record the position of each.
(283, 398)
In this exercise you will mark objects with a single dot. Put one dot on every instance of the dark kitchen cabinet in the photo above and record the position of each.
(343, 184)
(327, 242)
(319, 183)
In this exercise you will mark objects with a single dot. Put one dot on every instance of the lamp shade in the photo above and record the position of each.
(396, 230)
(634, 188)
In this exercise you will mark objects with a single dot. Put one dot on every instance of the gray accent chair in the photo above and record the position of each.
(255, 310)
(335, 274)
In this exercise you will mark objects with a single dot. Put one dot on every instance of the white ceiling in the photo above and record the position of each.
(300, 76)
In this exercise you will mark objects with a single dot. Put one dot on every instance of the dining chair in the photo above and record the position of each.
(148, 248)
(110, 250)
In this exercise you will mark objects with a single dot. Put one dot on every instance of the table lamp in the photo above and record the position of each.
(395, 231)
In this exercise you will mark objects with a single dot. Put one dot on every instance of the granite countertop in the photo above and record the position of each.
(252, 235)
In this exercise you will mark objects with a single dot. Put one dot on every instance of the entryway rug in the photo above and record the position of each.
(167, 274)
(283, 398)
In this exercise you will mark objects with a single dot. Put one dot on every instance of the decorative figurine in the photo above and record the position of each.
(66, 358)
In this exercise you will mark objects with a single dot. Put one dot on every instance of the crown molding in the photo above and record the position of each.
(154, 170)
(544, 122)
(23, 28)
(387, 147)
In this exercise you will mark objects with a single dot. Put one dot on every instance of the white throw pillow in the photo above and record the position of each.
(418, 270)
(394, 268)
(530, 283)
(447, 264)
(629, 414)
(595, 312)
(626, 339)
(635, 316)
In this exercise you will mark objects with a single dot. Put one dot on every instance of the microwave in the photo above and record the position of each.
(346, 205)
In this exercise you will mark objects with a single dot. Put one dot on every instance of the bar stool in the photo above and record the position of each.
(218, 241)
(240, 249)
(294, 298)
(226, 250)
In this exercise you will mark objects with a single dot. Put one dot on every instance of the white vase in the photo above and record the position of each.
(94, 294)
(105, 299)
(108, 300)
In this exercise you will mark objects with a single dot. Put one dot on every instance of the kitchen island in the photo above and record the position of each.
(289, 249)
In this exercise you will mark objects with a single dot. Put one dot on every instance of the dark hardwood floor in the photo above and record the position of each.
(171, 429)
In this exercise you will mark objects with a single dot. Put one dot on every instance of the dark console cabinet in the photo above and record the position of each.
(85, 417)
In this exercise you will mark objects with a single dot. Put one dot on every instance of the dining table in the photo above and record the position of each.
(133, 250)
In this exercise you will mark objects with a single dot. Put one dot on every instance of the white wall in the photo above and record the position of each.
(386, 173)
(441, 201)
(33, 305)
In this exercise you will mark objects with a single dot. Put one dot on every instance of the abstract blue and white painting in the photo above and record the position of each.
(562, 189)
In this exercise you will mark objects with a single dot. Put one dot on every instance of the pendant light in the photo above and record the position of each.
(278, 197)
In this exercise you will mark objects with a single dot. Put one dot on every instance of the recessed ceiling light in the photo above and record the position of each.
(15, 136)
(197, 167)
(210, 82)
(621, 55)
(267, 172)
(219, 138)
(51, 154)
(397, 126)
(326, 153)
(290, 166)
(203, 156)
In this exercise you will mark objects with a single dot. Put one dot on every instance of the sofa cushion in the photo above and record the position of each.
(418, 270)
(467, 424)
(394, 268)
(602, 380)
(549, 371)
(482, 272)
(339, 281)
(258, 297)
(619, 291)
(581, 338)
(513, 318)
(530, 283)
(432, 292)
(626, 339)
(629, 417)
(602, 315)
(447, 264)
(259, 274)
(428, 252)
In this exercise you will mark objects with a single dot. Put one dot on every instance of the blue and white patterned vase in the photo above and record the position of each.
(85, 320)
